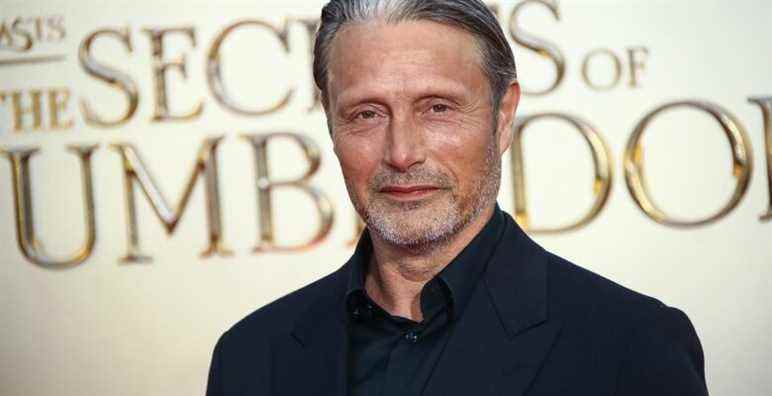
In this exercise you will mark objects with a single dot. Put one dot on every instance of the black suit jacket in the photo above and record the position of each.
(535, 325)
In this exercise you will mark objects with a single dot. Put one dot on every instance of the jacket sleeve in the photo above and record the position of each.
(214, 383)
(664, 357)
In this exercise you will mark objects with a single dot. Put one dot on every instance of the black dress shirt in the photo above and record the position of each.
(390, 355)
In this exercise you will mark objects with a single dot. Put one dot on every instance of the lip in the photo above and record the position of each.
(409, 192)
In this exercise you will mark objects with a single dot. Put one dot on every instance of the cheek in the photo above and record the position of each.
(358, 161)
(462, 153)
(462, 134)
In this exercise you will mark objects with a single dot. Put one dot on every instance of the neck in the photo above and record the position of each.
(397, 274)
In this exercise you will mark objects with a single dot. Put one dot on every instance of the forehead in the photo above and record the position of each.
(408, 56)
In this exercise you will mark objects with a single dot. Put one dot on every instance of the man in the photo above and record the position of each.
(444, 295)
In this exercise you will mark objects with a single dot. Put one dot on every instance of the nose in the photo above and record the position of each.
(406, 145)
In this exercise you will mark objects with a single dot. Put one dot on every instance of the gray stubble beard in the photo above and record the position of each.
(434, 229)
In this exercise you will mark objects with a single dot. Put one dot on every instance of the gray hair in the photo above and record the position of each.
(498, 62)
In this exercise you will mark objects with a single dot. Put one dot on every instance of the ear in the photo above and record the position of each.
(506, 116)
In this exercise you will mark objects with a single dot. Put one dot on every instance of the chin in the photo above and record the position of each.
(415, 224)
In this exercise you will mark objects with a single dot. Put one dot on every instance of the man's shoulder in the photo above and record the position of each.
(580, 293)
(280, 315)
(651, 342)
(571, 289)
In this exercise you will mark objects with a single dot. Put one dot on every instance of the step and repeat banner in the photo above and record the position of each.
(165, 169)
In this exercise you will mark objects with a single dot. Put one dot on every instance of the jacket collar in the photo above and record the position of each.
(318, 347)
(327, 311)
(517, 281)
(505, 329)
(452, 286)
(516, 278)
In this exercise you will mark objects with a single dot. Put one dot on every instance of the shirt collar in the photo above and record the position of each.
(455, 282)
(463, 272)
(355, 292)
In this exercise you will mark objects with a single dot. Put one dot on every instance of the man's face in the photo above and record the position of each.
(413, 128)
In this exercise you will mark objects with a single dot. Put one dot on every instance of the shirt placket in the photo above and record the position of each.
(404, 360)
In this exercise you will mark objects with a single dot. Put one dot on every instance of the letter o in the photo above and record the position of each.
(617, 69)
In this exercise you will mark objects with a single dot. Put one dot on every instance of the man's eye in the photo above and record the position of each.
(366, 115)
(440, 108)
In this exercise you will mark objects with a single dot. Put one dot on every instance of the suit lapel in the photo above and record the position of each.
(497, 347)
(314, 362)
(504, 335)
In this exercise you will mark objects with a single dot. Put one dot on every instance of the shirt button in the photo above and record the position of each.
(412, 336)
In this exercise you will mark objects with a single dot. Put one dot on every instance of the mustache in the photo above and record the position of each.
(423, 175)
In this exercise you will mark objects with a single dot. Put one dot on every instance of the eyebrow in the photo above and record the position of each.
(447, 89)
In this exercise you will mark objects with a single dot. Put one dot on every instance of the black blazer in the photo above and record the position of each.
(535, 325)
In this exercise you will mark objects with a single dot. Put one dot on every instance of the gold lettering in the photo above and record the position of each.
(56, 26)
(57, 103)
(18, 109)
(265, 186)
(6, 40)
(636, 64)
(31, 247)
(741, 169)
(134, 170)
(311, 25)
(111, 77)
(601, 157)
(214, 77)
(765, 104)
(617, 69)
(18, 29)
(38, 28)
(161, 66)
(543, 48)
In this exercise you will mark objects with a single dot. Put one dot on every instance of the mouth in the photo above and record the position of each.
(409, 192)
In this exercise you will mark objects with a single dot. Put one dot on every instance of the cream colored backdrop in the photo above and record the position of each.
(103, 327)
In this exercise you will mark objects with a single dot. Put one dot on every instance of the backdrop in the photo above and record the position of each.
(166, 170)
